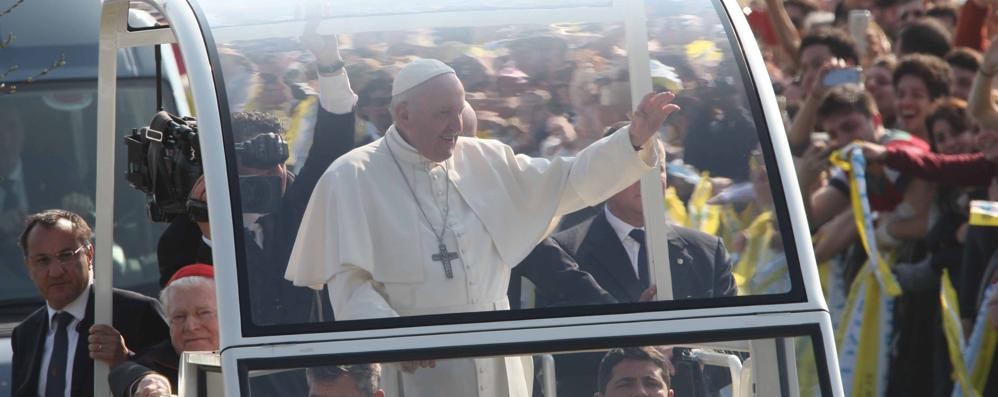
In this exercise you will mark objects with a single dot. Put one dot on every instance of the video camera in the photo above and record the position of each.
(164, 161)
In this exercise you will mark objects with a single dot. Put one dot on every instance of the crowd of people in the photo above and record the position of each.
(921, 112)
(422, 139)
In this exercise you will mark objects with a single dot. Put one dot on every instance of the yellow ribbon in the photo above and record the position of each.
(676, 208)
(985, 350)
(983, 213)
(882, 269)
(954, 335)
(298, 115)
(864, 357)
(702, 216)
(760, 234)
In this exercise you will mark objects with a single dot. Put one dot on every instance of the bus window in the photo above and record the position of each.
(49, 140)
(771, 366)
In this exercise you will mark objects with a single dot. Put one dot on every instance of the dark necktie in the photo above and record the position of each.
(55, 383)
(639, 236)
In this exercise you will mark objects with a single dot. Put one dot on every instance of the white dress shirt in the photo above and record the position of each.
(623, 230)
(78, 308)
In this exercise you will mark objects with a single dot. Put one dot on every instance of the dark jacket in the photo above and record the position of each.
(161, 359)
(139, 319)
(275, 300)
(701, 268)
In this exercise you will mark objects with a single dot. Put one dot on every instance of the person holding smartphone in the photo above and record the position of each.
(821, 51)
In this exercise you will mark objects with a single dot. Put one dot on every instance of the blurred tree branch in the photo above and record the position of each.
(6, 43)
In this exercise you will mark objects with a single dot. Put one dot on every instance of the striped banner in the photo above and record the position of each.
(979, 352)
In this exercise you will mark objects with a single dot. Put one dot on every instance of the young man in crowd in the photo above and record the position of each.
(919, 80)
(964, 62)
(820, 51)
(633, 371)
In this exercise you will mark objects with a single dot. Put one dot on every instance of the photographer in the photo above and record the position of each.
(271, 224)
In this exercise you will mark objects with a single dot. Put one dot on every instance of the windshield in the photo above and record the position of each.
(774, 366)
(548, 86)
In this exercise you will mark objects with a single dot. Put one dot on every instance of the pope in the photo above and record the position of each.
(424, 221)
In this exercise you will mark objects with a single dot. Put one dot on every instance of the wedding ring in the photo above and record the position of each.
(99, 347)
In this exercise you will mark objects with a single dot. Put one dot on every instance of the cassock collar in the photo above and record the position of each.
(407, 154)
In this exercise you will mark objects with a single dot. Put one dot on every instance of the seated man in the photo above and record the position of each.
(358, 380)
(189, 299)
(611, 247)
(633, 371)
(50, 354)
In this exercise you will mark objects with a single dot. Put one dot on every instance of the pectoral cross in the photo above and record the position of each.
(444, 258)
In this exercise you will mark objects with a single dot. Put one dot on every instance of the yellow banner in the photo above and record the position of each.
(702, 216)
(863, 335)
(983, 213)
(954, 335)
(760, 234)
(852, 162)
(676, 208)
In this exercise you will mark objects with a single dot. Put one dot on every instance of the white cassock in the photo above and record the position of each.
(364, 236)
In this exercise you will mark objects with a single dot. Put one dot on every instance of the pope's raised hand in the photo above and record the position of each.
(650, 115)
(326, 49)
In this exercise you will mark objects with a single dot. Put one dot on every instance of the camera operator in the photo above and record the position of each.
(271, 223)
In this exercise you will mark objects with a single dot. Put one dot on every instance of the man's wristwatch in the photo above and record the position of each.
(330, 69)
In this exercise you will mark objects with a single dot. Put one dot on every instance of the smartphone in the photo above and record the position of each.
(853, 75)
(821, 138)
(859, 23)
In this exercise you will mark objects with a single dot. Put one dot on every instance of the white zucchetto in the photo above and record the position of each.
(418, 72)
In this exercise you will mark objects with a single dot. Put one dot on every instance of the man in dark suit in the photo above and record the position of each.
(55, 346)
(610, 247)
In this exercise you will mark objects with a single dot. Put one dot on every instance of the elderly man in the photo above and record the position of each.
(358, 380)
(189, 300)
(394, 240)
(55, 346)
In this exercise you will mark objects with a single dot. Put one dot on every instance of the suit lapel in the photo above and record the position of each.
(680, 263)
(83, 365)
(37, 349)
(609, 256)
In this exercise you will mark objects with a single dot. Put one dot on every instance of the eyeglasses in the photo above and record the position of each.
(203, 316)
(67, 256)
